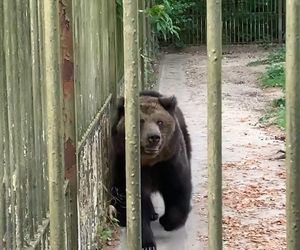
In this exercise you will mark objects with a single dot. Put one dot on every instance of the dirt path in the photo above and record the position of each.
(253, 182)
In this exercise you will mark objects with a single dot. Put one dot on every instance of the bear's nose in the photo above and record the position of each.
(154, 139)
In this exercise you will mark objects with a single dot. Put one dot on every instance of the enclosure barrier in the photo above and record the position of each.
(293, 123)
(54, 124)
(31, 105)
(99, 76)
(132, 123)
(214, 123)
(24, 192)
(243, 22)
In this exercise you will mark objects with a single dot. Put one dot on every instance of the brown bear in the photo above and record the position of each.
(165, 163)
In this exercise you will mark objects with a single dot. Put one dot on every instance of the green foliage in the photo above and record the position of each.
(180, 21)
(105, 234)
(275, 116)
(162, 22)
(278, 103)
(280, 117)
(277, 56)
(279, 112)
(172, 18)
(106, 230)
(119, 9)
(274, 76)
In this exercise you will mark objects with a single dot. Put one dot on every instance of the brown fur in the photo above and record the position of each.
(165, 163)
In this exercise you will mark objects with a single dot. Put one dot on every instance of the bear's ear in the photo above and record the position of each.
(169, 103)
(120, 107)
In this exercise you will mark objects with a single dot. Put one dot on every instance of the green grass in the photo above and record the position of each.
(280, 117)
(279, 107)
(274, 76)
(106, 229)
(276, 56)
(276, 114)
(258, 62)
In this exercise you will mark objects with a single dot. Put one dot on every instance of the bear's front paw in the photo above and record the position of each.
(172, 221)
(154, 216)
(147, 237)
(167, 224)
(149, 246)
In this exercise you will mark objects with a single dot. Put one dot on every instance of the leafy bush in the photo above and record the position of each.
(171, 18)
(163, 23)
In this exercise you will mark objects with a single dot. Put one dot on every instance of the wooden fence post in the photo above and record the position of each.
(293, 123)
(67, 76)
(54, 123)
(141, 18)
(3, 123)
(12, 92)
(132, 123)
(112, 18)
(280, 27)
(214, 52)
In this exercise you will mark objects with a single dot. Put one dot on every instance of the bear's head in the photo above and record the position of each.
(157, 127)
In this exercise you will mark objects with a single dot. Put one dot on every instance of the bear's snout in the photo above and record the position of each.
(151, 138)
(154, 139)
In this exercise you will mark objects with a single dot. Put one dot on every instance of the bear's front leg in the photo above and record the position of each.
(174, 218)
(176, 194)
(148, 242)
(153, 215)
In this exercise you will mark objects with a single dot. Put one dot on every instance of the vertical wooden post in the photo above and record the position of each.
(12, 112)
(8, 78)
(280, 26)
(293, 123)
(54, 123)
(141, 15)
(112, 18)
(67, 76)
(214, 52)
(132, 123)
(42, 172)
(37, 115)
(2, 127)
(105, 48)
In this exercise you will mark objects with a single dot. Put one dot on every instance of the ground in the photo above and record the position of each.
(253, 174)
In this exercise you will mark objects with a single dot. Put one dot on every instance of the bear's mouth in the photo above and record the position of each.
(151, 151)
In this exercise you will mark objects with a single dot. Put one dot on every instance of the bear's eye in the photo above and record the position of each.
(160, 123)
(142, 121)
